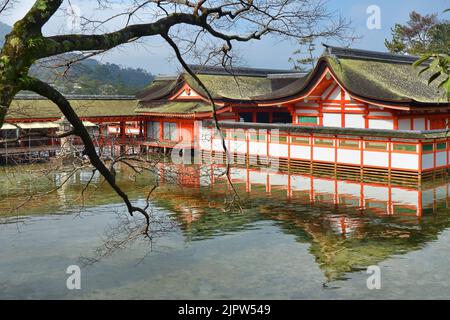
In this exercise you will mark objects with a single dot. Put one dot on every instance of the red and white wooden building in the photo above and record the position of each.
(358, 113)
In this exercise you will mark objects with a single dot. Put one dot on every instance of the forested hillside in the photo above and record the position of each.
(87, 76)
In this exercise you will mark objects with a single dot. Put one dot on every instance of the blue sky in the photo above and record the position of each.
(266, 53)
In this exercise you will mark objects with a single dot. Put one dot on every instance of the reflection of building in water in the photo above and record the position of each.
(348, 225)
(378, 198)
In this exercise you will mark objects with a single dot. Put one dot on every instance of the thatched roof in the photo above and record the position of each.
(175, 108)
(85, 106)
(238, 84)
(368, 75)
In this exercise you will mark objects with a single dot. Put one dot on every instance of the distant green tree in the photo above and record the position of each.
(304, 59)
(420, 35)
(440, 62)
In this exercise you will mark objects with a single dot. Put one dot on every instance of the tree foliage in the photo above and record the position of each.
(204, 29)
(437, 60)
(304, 58)
(420, 35)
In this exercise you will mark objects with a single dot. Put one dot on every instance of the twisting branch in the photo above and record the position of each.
(63, 104)
(213, 106)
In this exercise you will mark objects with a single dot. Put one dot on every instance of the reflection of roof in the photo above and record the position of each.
(374, 76)
(39, 108)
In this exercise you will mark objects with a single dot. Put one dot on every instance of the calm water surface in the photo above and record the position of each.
(299, 237)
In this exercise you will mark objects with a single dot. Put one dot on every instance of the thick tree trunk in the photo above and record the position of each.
(7, 93)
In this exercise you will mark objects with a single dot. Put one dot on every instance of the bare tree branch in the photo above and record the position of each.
(52, 94)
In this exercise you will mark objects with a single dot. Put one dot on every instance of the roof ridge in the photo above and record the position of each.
(341, 52)
(237, 71)
(77, 97)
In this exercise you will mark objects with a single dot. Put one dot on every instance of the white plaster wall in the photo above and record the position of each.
(441, 159)
(217, 145)
(336, 95)
(300, 152)
(205, 138)
(404, 124)
(349, 156)
(332, 120)
(373, 158)
(257, 148)
(405, 161)
(427, 161)
(192, 94)
(354, 121)
(419, 124)
(323, 154)
(328, 90)
(300, 110)
(380, 113)
(238, 146)
(280, 150)
(381, 124)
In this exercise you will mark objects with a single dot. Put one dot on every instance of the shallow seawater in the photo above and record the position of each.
(297, 237)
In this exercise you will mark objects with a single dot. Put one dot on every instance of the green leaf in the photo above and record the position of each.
(434, 77)
(441, 85)
(446, 85)
(422, 59)
(434, 64)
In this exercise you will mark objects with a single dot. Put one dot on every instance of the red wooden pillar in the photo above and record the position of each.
(420, 162)
(289, 187)
(395, 121)
(100, 133)
(144, 124)
(248, 185)
(419, 203)
(335, 154)
(389, 159)
(311, 152)
(247, 147)
(268, 146)
(434, 154)
(361, 156)
(122, 129)
(289, 139)
(141, 129)
(390, 208)
(366, 115)
(342, 108)
(268, 186)
(161, 130)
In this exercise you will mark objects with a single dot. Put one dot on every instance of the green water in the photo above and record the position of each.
(286, 244)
